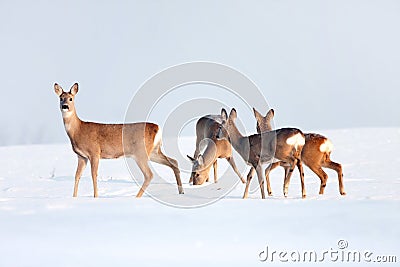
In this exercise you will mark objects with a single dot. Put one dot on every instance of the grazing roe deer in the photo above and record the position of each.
(315, 154)
(207, 128)
(278, 145)
(94, 141)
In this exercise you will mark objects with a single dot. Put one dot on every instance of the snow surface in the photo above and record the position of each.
(42, 225)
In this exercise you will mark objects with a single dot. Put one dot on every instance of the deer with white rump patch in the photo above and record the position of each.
(278, 145)
(315, 154)
(207, 128)
(94, 141)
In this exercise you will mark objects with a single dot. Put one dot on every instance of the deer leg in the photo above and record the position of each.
(215, 167)
(301, 171)
(286, 167)
(249, 177)
(260, 180)
(94, 166)
(231, 162)
(288, 174)
(148, 176)
(251, 173)
(322, 176)
(267, 171)
(160, 158)
(338, 168)
(79, 170)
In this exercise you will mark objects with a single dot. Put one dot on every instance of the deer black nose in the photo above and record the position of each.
(64, 107)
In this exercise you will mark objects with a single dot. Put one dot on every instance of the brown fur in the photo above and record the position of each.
(207, 127)
(311, 155)
(261, 148)
(94, 141)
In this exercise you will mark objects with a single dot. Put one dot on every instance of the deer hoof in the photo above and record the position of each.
(180, 190)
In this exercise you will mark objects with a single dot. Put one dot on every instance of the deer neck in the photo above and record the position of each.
(236, 138)
(71, 123)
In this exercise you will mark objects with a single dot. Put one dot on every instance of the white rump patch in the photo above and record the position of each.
(157, 138)
(326, 147)
(296, 140)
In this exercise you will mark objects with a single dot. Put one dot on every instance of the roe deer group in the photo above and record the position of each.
(94, 141)
(278, 145)
(315, 154)
(207, 128)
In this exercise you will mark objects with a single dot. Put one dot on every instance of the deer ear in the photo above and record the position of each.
(224, 114)
(233, 114)
(57, 89)
(270, 114)
(257, 114)
(74, 89)
(190, 158)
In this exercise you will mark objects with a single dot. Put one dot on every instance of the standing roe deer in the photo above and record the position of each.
(94, 141)
(207, 128)
(278, 145)
(315, 154)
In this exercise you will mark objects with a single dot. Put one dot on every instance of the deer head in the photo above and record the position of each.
(200, 172)
(67, 106)
(227, 123)
(264, 122)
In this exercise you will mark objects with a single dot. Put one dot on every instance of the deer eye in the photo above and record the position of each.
(70, 99)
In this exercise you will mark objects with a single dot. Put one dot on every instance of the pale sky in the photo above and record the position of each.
(320, 64)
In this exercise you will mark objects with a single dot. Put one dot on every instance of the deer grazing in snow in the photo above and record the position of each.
(207, 128)
(315, 154)
(278, 145)
(94, 141)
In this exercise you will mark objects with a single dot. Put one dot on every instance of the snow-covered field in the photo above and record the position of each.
(42, 225)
